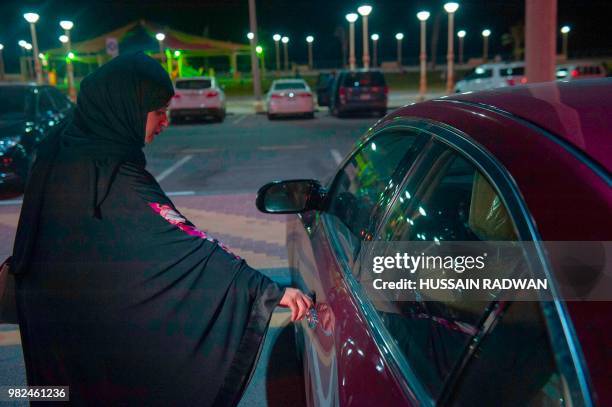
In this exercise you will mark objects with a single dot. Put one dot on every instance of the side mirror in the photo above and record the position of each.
(293, 196)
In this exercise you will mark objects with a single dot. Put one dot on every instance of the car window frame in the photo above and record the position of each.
(568, 357)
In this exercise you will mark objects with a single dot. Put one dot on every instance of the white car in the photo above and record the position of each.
(580, 70)
(494, 75)
(289, 97)
(197, 97)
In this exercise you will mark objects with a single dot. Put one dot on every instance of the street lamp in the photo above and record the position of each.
(399, 37)
(277, 38)
(1, 63)
(461, 35)
(450, 8)
(310, 40)
(565, 31)
(365, 11)
(250, 36)
(32, 18)
(285, 41)
(485, 45)
(375, 38)
(423, 16)
(351, 18)
(160, 37)
(67, 25)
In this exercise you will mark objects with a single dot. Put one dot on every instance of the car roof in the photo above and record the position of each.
(195, 78)
(286, 80)
(579, 112)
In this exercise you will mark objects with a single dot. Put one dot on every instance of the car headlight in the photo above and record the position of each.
(7, 143)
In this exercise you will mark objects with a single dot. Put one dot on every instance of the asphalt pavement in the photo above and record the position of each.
(212, 172)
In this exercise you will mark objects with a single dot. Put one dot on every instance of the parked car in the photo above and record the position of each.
(581, 70)
(28, 112)
(324, 87)
(360, 91)
(289, 97)
(527, 163)
(197, 97)
(494, 75)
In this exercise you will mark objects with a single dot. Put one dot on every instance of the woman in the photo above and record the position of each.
(119, 296)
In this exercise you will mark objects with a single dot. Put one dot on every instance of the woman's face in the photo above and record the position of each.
(157, 121)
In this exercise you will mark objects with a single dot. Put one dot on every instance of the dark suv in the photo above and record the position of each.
(27, 114)
(359, 91)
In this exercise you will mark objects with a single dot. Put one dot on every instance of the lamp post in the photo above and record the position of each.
(565, 32)
(32, 18)
(254, 60)
(285, 41)
(485, 45)
(262, 60)
(375, 38)
(365, 11)
(310, 40)
(277, 38)
(461, 35)
(423, 16)
(351, 18)
(160, 37)
(399, 37)
(67, 26)
(30, 59)
(450, 8)
(1, 63)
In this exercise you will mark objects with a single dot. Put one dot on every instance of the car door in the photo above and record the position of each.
(342, 362)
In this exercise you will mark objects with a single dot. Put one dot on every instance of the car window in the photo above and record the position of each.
(363, 187)
(15, 102)
(454, 201)
(514, 362)
(194, 84)
(45, 103)
(515, 71)
(359, 79)
(479, 73)
(289, 85)
(62, 103)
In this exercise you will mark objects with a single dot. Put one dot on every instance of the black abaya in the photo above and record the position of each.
(119, 296)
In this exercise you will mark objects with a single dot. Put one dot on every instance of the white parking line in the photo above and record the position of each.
(290, 147)
(240, 118)
(173, 168)
(336, 156)
(11, 202)
(180, 193)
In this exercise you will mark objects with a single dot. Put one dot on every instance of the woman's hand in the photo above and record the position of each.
(297, 301)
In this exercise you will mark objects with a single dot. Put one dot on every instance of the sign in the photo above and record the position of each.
(112, 46)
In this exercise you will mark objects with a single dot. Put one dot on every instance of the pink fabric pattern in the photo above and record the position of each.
(176, 219)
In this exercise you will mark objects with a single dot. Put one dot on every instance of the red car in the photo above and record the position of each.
(528, 163)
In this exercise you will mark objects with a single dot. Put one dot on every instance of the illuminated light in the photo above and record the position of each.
(259, 49)
(480, 71)
(373, 146)
(351, 17)
(399, 36)
(407, 194)
(28, 46)
(160, 36)
(423, 15)
(375, 37)
(71, 55)
(285, 40)
(486, 33)
(64, 39)
(41, 55)
(250, 36)
(561, 73)
(401, 199)
(22, 43)
(1, 47)
(31, 17)
(422, 211)
(309, 39)
(461, 33)
(565, 29)
(276, 37)
(177, 53)
(365, 10)
(436, 240)
(451, 7)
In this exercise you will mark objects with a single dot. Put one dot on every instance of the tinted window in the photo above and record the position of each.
(479, 73)
(289, 85)
(194, 84)
(516, 71)
(15, 102)
(62, 102)
(452, 202)
(365, 185)
(358, 79)
(324, 80)
(45, 103)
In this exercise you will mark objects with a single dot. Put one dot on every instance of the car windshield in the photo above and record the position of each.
(514, 71)
(194, 84)
(357, 79)
(479, 73)
(15, 102)
(289, 85)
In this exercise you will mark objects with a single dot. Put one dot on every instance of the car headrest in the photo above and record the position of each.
(489, 219)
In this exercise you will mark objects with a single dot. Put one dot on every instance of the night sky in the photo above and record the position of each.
(228, 20)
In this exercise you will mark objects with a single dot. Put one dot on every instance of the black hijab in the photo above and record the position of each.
(106, 130)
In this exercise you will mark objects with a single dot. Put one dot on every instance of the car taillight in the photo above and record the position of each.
(276, 96)
(6, 161)
(386, 90)
(342, 91)
(305, 95)
(523, 80)
(575, 73)
(510, 82)
(212, 94)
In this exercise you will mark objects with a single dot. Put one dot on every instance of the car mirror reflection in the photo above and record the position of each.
(292, 196)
